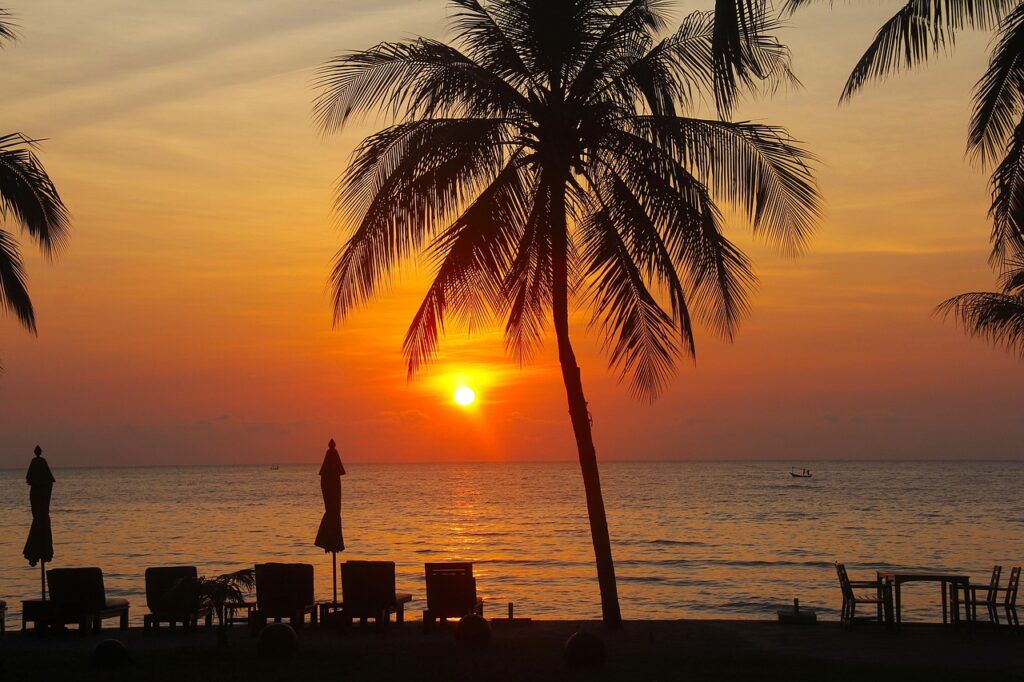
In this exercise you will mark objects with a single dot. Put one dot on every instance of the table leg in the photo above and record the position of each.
(944, 600)
(899, 614)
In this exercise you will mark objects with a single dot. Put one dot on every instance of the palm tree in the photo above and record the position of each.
(29, 198)
(996, 133)
(214, 593)
(996, 316)
(545, 156)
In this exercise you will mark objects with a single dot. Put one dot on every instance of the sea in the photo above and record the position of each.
(690, 539)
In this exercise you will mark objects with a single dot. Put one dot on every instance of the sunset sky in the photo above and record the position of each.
(189, 322)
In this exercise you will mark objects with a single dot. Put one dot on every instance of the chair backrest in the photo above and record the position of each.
(844, 581)
(282, 589)
(993, 583)
(167, 590)
(77, 590)
(451, 589)
(367, 587)
(1011, 587)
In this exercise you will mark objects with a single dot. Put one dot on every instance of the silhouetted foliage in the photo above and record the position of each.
(555, 149)
(214, 593)
(921, 29)
(29, 198)
(995, 316)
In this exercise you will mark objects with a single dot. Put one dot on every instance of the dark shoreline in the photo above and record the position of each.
(645, 650)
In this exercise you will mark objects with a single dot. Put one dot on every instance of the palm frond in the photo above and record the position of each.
(673, 74)
(1007, 210)
(1012, 279)
(488, 44)
(402, 183)
(628, 36)
(719, 276)
(758, 168)
(28, 194)
(527, 284)
(638, 220)
(418, 79)
(995, 317)
(999, 95)
(921, 29)
(737, 27)
(8, 29)
(472, 254)
(13, 287)
(638, 334)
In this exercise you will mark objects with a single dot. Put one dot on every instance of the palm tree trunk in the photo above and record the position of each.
(579, 414)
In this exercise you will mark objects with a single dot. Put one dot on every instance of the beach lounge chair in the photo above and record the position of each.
(451, 593)
(994, 598)
(78, 597)
(284, 591)
(878, 598)
(170, 600)
(368, 591)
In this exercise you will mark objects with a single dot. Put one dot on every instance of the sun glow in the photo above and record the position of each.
(464, 396)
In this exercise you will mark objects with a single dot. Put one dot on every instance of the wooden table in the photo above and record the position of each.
(951, 584)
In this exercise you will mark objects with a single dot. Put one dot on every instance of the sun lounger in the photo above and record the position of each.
(451, 593)
(79, 597)
(368, 591)
(284, 591)
(170, 600)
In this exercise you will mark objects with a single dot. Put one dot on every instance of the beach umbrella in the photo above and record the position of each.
(329, 536)
(39, 546)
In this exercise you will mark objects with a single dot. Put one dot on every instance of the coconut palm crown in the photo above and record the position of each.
(553, 153)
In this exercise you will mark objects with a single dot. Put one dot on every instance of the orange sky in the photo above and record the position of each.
(189, 320)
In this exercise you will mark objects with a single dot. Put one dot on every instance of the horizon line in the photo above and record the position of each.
(537, 461)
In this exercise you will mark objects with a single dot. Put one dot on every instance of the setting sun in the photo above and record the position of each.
(464, 396)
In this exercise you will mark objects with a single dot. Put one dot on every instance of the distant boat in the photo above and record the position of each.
(803, 473)
(274, 467)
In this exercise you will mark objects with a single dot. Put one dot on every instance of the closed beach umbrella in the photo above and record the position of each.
(329, 536)
(39, 546)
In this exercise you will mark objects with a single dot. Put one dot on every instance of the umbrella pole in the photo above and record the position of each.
(334, 573)
(42, 577)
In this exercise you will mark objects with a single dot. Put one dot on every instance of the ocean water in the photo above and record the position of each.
(690, 539)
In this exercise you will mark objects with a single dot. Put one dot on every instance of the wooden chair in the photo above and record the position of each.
(79, 597)
(1010, 601)
(451, 593)
(991, 600)
(284, 591)
(848, 613)
(170, 599)
(987, 598)
(368, 591)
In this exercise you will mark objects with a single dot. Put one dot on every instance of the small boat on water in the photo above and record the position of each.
(274, 467)
(803, 473)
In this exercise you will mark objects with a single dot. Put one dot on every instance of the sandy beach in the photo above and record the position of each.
(645, 650)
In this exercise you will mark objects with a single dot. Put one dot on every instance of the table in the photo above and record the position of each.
(955, 581)
(35, 611)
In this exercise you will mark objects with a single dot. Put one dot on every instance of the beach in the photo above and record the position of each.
(644, 650)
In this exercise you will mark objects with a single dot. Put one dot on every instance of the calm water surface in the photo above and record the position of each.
(692, 539)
